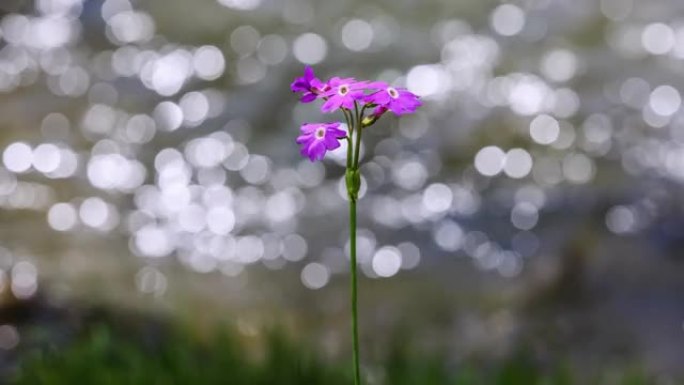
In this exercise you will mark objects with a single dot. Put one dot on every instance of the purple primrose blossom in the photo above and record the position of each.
(398, 100)
(343, 92)
(318, 138)
(309, 85)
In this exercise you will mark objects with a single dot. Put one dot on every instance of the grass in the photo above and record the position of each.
(106, 357)
(110, 355)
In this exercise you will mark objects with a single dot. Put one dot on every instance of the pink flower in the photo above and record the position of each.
(309, 85)
(342, 93)
(318, 138)
(398, 100)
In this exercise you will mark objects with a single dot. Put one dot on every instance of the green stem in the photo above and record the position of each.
(353, 168)
(349, 152)
(349, 119)
(350, 133)
(354, 294)
(357, 147)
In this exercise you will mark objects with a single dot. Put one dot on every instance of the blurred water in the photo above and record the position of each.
(143, 136)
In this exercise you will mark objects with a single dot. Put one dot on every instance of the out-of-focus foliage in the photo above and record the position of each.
(111, 356)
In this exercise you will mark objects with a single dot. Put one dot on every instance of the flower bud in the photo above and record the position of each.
(372, 118)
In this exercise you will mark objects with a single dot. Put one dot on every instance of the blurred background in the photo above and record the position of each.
(527, 221)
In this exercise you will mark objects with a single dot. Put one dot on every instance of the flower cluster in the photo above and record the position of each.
(354, 98)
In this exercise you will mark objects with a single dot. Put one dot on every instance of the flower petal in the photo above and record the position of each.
(308, 97)
(332, 104)
(309, 128)
(377, 85)
(308, 73)
(331, 142)
(336, 132)
(317, 150)
(303, 139)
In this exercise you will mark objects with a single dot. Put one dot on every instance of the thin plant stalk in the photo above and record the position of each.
(354, 291)
(353, 180)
